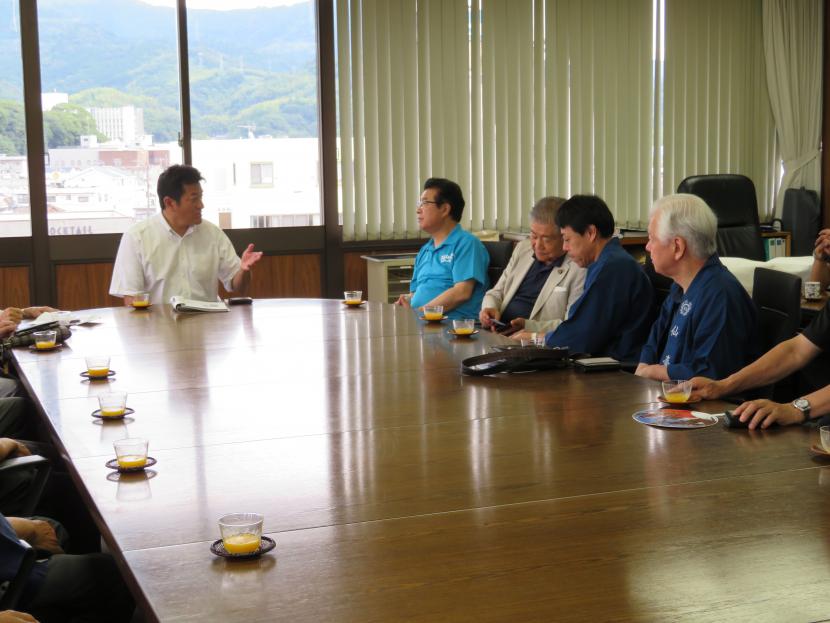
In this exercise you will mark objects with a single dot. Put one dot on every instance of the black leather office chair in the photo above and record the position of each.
(777, 297)
(500, 253)
(40, 467)
(733, 200)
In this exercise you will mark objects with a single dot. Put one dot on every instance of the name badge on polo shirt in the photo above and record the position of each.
(446, 258)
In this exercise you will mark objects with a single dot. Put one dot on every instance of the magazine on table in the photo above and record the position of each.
(182, 304)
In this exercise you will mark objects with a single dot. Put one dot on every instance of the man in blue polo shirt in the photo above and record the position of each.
(612, 316)
(450, 269)
(707, 324)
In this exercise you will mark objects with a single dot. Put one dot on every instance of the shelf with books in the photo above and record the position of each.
(776, 243)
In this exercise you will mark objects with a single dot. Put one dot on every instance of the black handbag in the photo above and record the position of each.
(516, 359)
(25, 337)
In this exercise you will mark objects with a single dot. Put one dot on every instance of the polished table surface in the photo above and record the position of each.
(397, 489)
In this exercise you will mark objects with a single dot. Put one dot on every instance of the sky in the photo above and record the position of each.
(225, 5)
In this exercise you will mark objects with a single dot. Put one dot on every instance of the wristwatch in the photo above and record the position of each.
(803, 405)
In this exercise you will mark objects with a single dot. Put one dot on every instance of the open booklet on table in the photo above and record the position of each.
(182, 304)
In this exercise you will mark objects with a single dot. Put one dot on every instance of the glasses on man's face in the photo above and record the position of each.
(423, 202)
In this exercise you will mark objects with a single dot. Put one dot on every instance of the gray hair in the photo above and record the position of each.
(688, 217)
(544, 211)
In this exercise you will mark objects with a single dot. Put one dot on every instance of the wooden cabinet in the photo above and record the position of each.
(389, 276)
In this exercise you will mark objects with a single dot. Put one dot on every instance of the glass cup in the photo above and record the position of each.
(353, 297)
(533, 339)
(44, 340)
(97, 366)
(131, 452)
(113, 404)
(677, 391)
(241, 532)
(464, 327)
(141, 300)
(824, 431)
(433, 312)
(812, 290)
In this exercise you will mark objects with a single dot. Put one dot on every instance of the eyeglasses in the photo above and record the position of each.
(422, 202)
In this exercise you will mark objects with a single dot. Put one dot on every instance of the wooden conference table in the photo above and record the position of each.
(396, 489)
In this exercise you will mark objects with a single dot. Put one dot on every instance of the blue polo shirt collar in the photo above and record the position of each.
(455, 233)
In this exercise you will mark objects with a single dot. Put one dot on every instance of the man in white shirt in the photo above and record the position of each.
(174, 253)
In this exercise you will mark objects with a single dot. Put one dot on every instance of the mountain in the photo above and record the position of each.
(247, 66)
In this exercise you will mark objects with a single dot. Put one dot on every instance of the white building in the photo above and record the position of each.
(260, 182)
(124, 123)
(249, 183)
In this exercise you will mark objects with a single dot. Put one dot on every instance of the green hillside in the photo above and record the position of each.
(248, 67)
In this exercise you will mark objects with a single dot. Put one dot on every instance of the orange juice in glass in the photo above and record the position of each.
(353, 297)
(45, 340)
(141, 300)
(464, 327)
(97, 366)
(241, 532)
(677, 391)
(113, 404)
(433, 312)
(131, 452)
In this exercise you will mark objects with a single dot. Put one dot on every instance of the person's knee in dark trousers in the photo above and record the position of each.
(8, 387)
(86, 588)
(14, 418)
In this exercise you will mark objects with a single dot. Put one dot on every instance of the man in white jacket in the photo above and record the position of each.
(540, 282)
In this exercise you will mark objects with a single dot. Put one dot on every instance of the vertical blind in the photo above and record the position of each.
(716, 116)
(518, 100)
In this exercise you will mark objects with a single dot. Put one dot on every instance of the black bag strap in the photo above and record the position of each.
(26, 337)
(522, 359)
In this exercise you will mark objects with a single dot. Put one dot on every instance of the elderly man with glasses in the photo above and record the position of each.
(540, 281)
(451, 268)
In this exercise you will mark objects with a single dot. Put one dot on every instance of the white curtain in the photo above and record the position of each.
(716, 115)
(516, 100)
(793, 49)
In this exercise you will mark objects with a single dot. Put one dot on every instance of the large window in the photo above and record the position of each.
(253, 85)
(14, 172)
(110, 84)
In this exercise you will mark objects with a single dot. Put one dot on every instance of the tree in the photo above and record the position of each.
(66, 123)
(12, 128)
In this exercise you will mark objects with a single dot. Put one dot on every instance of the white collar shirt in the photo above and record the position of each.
(153, 258)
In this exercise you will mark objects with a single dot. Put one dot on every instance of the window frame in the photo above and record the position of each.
(41, 252)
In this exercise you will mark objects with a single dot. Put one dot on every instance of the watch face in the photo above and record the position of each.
(802, 403)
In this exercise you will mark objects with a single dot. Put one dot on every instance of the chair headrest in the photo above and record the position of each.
(731, 197)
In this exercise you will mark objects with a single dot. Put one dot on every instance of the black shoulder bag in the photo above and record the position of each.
(518, 359)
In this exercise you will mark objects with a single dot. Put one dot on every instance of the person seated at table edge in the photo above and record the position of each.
(175, 253)
(11, 317)
(707, 324)
(612, 316)
(779, 362)
(65, 587)
(820, 270)
(540, 281)
(451, 268)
